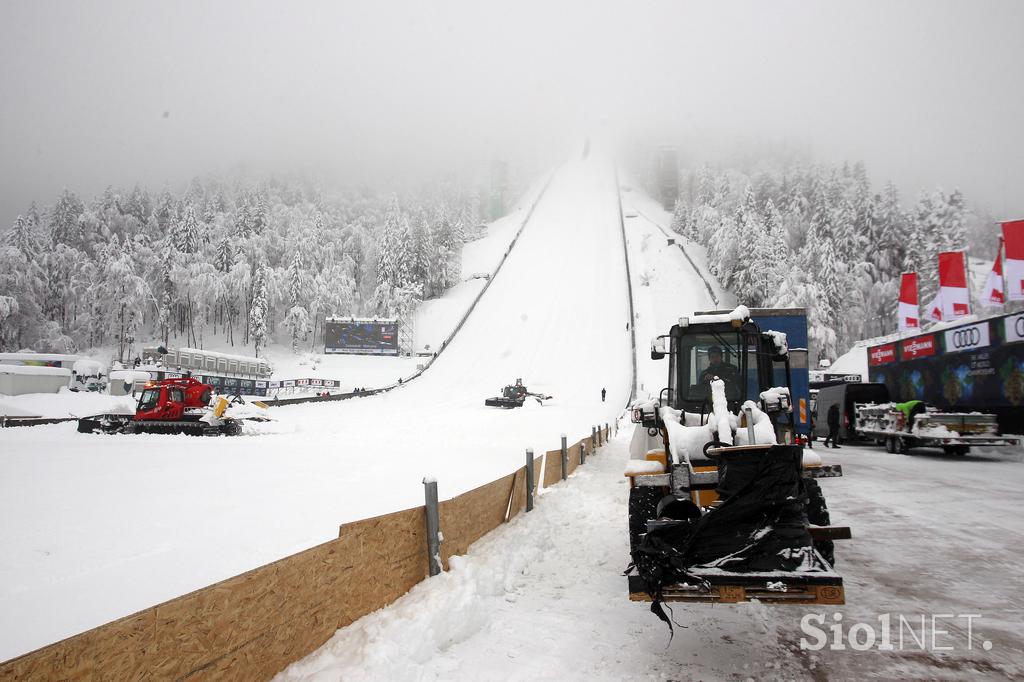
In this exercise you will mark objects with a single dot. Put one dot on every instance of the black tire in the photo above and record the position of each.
(817, 514)
(643, 506)
(956, 449)
(901, 445)
(87, 425)
(890, 445)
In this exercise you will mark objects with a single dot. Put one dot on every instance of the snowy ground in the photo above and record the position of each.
(544, 598)
(95, 527)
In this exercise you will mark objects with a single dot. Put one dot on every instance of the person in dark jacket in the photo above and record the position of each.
(603, 393)
(833, 426)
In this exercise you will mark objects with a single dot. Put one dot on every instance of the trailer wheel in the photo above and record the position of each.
(890, 444)
(643, 506)
(956, 449)
(902, 446)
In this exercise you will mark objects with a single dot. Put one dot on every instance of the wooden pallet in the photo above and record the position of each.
(774, 587)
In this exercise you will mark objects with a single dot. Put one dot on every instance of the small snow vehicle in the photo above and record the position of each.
(179, 406)
(724, 504)
(514, 395)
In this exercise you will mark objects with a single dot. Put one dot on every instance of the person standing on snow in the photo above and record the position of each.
(833, 426)
(603, 393)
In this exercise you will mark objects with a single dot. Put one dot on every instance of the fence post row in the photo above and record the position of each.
(433, 526)
(565, 459)
(529, 479)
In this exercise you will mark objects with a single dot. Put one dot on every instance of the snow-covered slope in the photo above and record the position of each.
(96, 527)
(666, 284)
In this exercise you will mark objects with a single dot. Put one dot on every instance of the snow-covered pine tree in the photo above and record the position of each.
(187, 236)
(258, 310)
(24, 238)
(64, 220)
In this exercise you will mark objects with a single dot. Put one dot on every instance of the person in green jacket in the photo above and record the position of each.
(910, 409)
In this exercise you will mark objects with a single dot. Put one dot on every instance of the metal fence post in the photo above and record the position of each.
(529, 479)
(583, 454)
(593, 438)
(433, 526)
(565, 459)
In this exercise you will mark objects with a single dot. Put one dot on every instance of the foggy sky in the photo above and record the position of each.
(100, 93)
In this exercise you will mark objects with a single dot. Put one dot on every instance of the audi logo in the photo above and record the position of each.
(965, 338)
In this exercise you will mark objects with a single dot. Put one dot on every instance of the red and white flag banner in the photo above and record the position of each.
(1013, 238)
(908, 308)
(994, 293)
(934, 309)
(956, 301)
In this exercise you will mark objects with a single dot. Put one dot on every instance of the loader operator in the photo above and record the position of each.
(721, 369)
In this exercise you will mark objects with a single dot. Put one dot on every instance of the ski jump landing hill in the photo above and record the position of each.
(97, 528)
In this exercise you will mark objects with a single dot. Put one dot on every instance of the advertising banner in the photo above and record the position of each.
(369, 337)
(967, 338)
(880, 355)
(918, 347)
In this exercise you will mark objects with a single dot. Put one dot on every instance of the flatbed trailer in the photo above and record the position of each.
(954, 432)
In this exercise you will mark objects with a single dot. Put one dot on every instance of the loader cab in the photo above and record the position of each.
(734, 352)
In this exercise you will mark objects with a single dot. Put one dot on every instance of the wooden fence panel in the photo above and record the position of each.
(518, 501)
(552, 467)
(468, 517)
(254, 624)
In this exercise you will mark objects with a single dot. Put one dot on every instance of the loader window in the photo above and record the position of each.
(175, 395)
(704, 356)
(150, 398)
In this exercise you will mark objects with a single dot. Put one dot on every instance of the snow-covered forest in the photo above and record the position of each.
(243, 264)
(824, 239)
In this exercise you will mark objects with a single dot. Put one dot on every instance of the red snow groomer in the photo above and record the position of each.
(171, 406)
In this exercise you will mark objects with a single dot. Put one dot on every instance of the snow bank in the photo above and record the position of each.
(65, 404)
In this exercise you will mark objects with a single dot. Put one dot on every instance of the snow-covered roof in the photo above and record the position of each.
(216, 354)
(34, 370)
(129, 375)
(86, 367)
(378, 320)
(739, 314)
(43, 357)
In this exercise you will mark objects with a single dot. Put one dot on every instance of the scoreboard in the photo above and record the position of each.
(361, 336)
